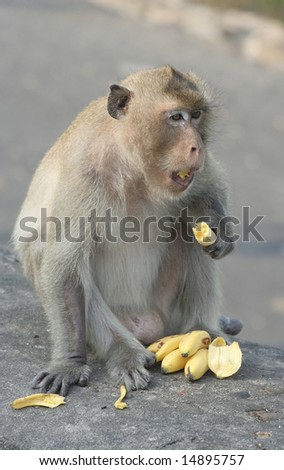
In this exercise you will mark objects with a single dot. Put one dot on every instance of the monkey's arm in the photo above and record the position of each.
(210, 204)
(63, 302)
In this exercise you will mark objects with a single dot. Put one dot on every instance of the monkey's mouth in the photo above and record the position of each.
(183, 177)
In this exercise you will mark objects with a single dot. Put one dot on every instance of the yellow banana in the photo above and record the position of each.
(193, 341)
(169, 346)
(173, 362)
(154, 347)
(203, 234)
(197, 365)
(224, 360)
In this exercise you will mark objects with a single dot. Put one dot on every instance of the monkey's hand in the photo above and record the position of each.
(59, 377)
(224, 243)
(127, 366)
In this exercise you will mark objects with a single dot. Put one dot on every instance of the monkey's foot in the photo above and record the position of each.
(231, 326)
(128, 366)
(58, 378)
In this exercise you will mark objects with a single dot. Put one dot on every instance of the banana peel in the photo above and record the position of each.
(48, 400)
(203, 234)
(224, 360)
(119, 404)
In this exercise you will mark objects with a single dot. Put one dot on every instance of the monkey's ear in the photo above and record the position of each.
(118, 101)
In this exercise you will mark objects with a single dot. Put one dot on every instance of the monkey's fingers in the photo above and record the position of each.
(136, 379)
(219, 249)
(38, 379)
(47, 382)
(150, 359)
(60, 381)
(83, 381)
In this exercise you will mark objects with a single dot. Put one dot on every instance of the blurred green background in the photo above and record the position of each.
(273, 8)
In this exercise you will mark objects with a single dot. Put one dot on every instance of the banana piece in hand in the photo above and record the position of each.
(203, 234)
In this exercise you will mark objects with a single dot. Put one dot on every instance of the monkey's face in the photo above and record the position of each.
(174, 150)
(163, 127)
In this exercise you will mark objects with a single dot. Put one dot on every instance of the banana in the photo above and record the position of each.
(203, 234)
(224, 360)
(154, 347)
(197, 365)
(119, 404)
(49, 400)
(169, 346)
(183, 174)
(173, 362)
(193, 341)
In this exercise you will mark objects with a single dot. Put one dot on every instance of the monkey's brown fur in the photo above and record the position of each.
(125, 152)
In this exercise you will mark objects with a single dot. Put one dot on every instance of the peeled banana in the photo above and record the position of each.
(197, 365)
(170, 345)
(224, 360)
(49, 400)
(203, 234)
(173, 362)
(193, 341)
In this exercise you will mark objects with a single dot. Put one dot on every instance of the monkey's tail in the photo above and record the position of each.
(231, 326)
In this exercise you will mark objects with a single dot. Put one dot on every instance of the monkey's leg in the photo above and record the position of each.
(126, 358)
(64, 305)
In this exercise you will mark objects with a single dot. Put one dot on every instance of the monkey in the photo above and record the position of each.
(141, 152)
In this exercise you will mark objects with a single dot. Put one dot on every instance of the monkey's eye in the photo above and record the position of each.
(196, 114)
(177, 117)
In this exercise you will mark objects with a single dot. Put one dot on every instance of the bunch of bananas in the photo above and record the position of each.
(195, 353)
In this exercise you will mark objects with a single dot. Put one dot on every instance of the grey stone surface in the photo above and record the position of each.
(242, 412)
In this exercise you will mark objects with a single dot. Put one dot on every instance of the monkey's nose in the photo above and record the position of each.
(194, 151)
(195, 156)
